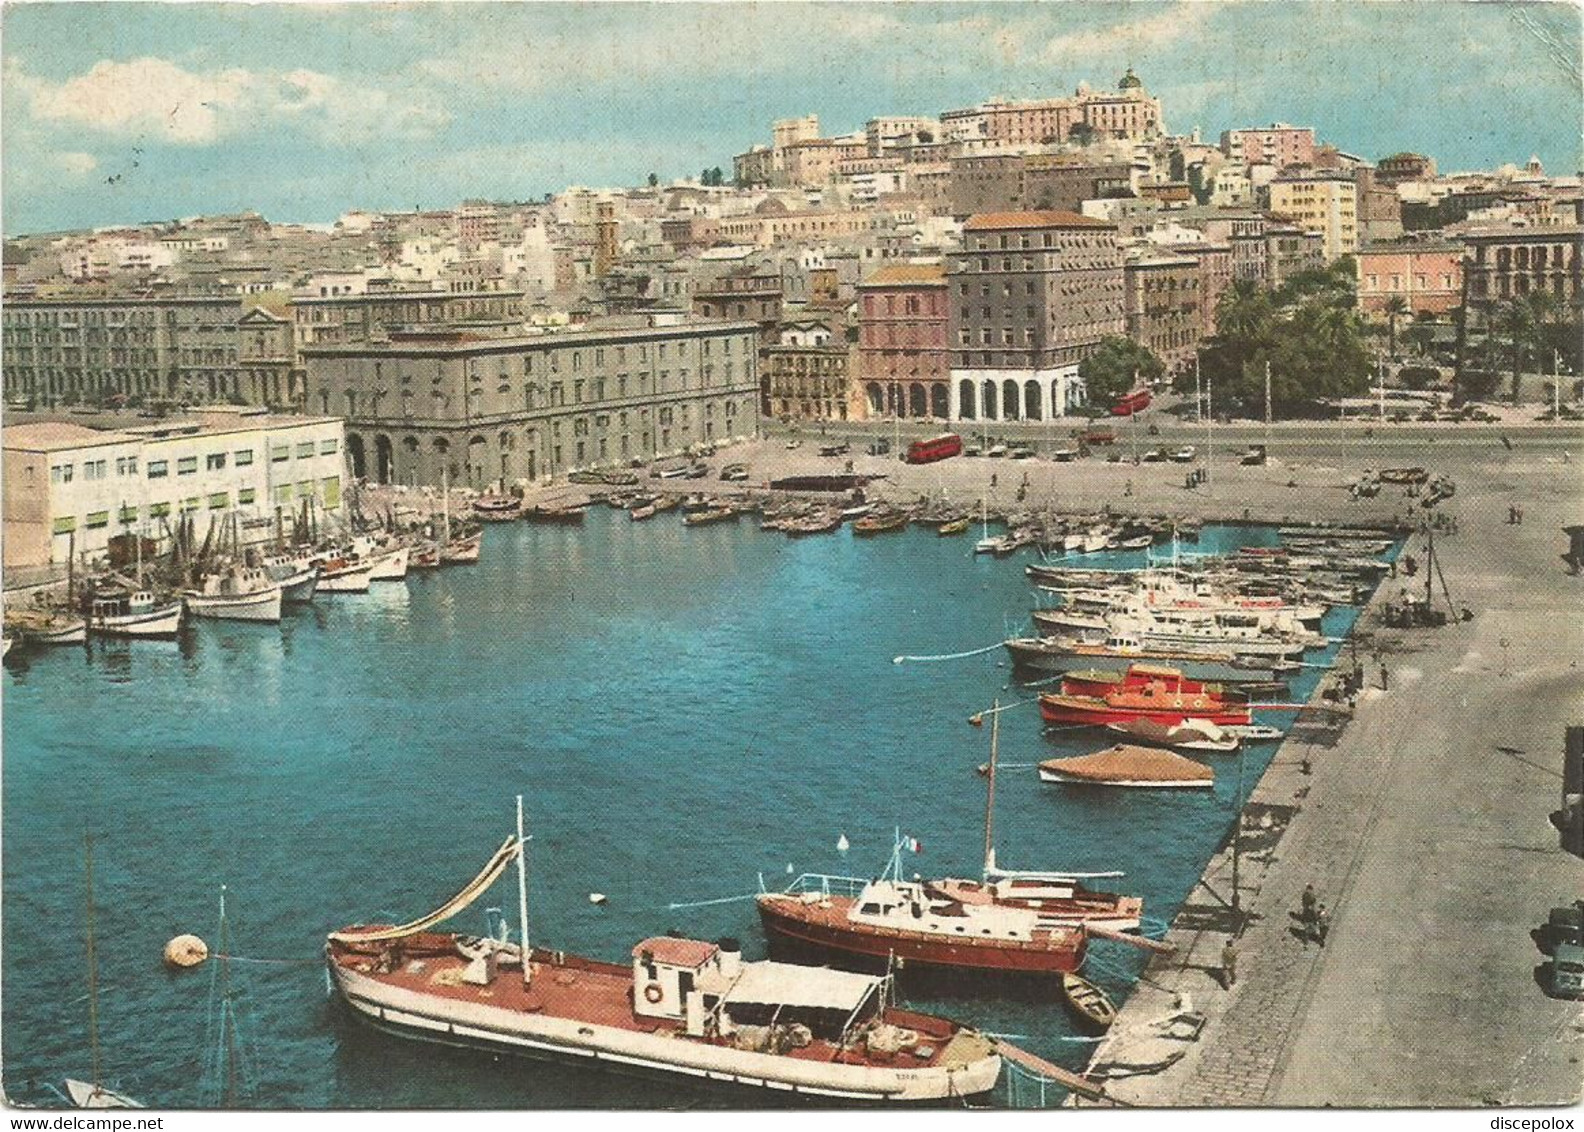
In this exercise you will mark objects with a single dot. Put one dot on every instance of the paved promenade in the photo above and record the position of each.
(1424, 827)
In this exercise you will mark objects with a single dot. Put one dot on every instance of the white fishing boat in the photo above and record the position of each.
(135, 613)
(46, 627)
(237, 595)
(462, 551)
(339, 574)
(390, 565)
(298, 578)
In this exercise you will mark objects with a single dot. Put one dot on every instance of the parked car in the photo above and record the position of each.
(697, 471)
(835, 449)
(997, 450)
(881, 447)
(1065, 455)
(1184, 455)
(734, 473)
(1022, 452)
(1567, 971)
(674, 473)
(1153, 456)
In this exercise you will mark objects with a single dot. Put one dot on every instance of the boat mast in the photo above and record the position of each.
(226, 1021)
(93, 966)
(522, 893)
(445, 507)
(989, 847)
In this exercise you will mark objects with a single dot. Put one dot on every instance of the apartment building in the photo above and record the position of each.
(1032, 294)
(1327, 204)
(1278, 144)
(904, 346)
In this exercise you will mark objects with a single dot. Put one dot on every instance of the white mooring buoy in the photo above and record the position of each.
(186, 951)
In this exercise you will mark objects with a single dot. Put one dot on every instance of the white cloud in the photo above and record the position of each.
(75, 163)
(1165, 28)
(160, 100)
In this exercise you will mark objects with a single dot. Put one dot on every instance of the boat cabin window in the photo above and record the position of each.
(870, 909)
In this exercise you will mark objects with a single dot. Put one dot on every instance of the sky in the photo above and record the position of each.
(119, 113)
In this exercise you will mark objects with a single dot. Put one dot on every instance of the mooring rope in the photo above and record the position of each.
(707, 903)
(948, 656)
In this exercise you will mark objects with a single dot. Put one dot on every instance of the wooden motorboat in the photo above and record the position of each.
(45, 627)
(880, 523)
(343, 574)
(424, 556)
(953, 526)
(1124, 765)
(1189, 735)
(497, 509)
(706, 517)
(463, 551)
(1091, 1004)
(568, 516)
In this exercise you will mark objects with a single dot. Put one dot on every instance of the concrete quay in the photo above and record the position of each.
(1423, 826)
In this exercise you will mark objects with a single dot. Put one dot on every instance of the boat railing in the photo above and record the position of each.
(826, 884)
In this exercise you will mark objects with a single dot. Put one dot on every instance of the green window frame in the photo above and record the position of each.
(283, 493)
(65, 524)
(219, 501)
(280, 455)
(246, 495)
(330, 491)
(187, 465)
(158, 510)
(329, 447)
(305, 449)
(127, 514)
(191, 503)
(97, 520)
(243, 457)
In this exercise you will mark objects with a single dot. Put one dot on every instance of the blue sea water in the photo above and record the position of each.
(684, 710)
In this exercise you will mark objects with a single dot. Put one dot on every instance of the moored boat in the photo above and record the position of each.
(707, 517)
(953, 526)
(424, 556)
(1189, 735)
(463, 551)
(237, 595)
(545, 513)
(680, 1006)
(133, 613)
(879, 523)
(497, 509)
(1157, 701)
(45, 627)
(340, 574)
(1061, 654)
(1092, 1005)
(1125, 765)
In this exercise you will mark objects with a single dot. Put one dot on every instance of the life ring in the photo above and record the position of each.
(653, 993)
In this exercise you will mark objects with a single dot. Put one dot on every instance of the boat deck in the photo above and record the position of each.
(578, 989)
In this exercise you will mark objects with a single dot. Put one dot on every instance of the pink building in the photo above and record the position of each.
(904, 360)
(1279, 144)
(1427, 275)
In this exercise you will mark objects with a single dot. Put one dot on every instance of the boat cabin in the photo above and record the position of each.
(682, 979)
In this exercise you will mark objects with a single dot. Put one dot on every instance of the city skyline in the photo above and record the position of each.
(127, 113)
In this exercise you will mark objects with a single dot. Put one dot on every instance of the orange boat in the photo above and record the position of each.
(1161, 701)
(1125, 765)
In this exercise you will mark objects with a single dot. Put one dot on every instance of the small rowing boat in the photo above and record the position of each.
(1089, 1002)
(1125, 765)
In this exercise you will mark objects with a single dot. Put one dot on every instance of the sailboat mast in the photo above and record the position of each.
(995, 732)
(445, 507)
(93, 965)
(522, 894)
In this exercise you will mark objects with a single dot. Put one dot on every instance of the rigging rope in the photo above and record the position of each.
(948, 656)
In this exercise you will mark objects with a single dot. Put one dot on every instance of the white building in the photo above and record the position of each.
(68, 488)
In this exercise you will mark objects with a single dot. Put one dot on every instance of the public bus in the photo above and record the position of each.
(1129, 403)
(936, 448)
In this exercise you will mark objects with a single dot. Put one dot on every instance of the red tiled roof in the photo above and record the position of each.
(676, 952)
(991, 221)
(907, 274)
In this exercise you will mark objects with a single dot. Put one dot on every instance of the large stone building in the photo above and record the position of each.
(904, 348)
(1128, 113)
(69, 489)
(485, 410)
(1032, 294)
(190, 349)
(330, 320)
(1508, 262)
(1010, 182)
(807, 373)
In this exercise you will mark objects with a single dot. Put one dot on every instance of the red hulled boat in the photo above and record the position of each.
(1161, 701)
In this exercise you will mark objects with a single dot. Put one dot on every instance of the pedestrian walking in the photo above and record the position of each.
(1383, 678)
(1228, 964)
(1322, 925)
(1307, 913)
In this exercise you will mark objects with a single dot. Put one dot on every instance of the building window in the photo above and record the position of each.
(330, 491)
(245, 496)
(305, 449)
(190, 503)
(62, 473)
(187, 465)
(127, 466)
(328, 447)
(157, 510)
(215, 461)
(219, 501)
(65, 525)
(280, 455)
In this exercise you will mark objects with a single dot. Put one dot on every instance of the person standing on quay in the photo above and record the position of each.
(1322, 925)
(1228, 964)
(1309, 899)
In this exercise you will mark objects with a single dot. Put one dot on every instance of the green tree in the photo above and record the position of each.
(1396, 307)
(1116, 366)
(1516, 321)
(654, 179)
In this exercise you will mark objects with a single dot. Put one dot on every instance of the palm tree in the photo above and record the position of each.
(1396, 307)
(1516, 321)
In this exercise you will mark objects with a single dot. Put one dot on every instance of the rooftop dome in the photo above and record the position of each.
(1130, 81)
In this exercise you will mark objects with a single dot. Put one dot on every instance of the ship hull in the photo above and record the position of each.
(914, 947)
(1053, 710)
(162, 622)
(391, 567)
(1032, 657)
(349, 580)
(451, 1022)
(263, 606)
